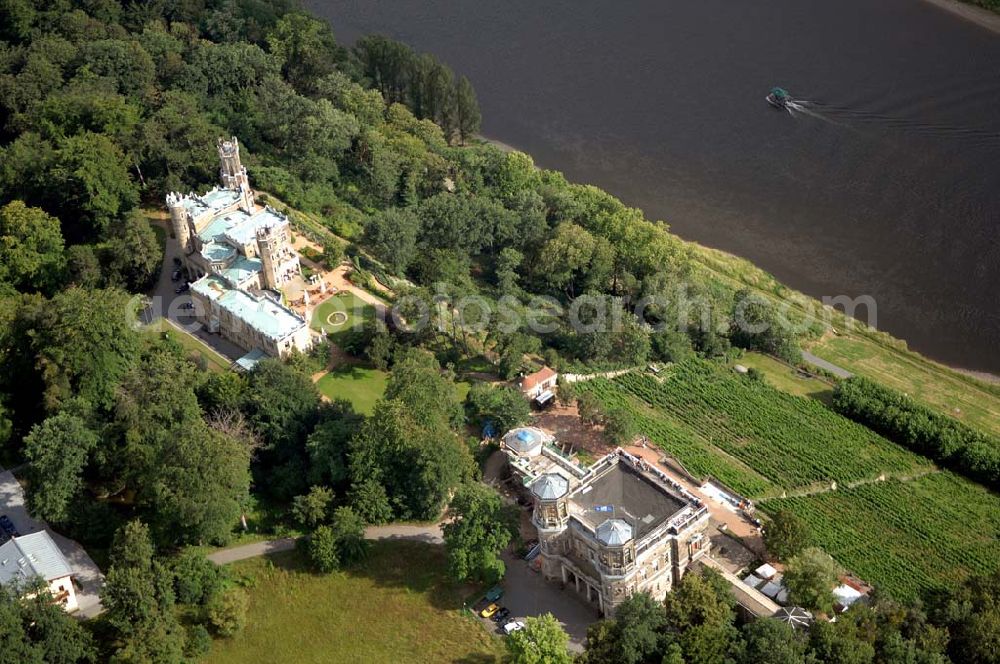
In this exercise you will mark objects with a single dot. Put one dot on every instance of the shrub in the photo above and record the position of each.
(198, 642)
(322, 550)
(227, 612)
(196, 579)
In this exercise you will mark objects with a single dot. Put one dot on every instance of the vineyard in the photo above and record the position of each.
(908, 537)
(748, 434)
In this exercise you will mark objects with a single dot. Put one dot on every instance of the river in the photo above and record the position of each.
(888, 186)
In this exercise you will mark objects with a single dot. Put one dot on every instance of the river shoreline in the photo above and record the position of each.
(984, 18)
(977, 374)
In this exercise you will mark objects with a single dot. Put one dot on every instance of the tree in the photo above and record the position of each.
(36, 630)
(542, 641)
(322, 550)
(590, 408)
(31, 248)
(480, 527)
(329, 443)
(132, 254)
(810, 577)
(503, 405)
(785, 535)
(196, 579)
(392, 237)
(349, 531)
(91, 183)
(57, 451)
(770, 641)
(636, 635)
(227, 612)
(306, 48)
(619, 426)
(310, 509)
(700, 616)
(467, 115)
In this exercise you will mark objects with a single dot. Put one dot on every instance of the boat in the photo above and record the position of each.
(778, 97)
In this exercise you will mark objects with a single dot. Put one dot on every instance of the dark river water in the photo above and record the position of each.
(889, 186)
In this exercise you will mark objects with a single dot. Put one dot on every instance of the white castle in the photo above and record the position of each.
(233, 251)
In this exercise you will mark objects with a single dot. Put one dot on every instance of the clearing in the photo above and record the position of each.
(398, 606)
(360, 385)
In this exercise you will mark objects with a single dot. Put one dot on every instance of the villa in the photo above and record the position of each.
(239, 257)
(611, 530)
(36, 555)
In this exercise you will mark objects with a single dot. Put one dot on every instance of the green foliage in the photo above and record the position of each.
(37, 630)
(132, 254)
(196, 579)
(31, 248)
(700, 614)
(754, 325)
(973, 453)
(349, 533)
(392, 237)
(310, 510)
(227, 612)
(785, 535)
(322, 549)
(810, 577)
(505, 406)
(770, 641)
(636, 635)
(480, 527)
(542, 641)
(57, 450)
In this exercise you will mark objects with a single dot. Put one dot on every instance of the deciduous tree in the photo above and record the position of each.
(810, 577)
(480, 527)
(542, 641)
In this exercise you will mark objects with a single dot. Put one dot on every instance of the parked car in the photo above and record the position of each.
(183, 288)
(494, 593)
(513, 626)
(175, 275)
(490, 610)
(501, 616)
(8, 526)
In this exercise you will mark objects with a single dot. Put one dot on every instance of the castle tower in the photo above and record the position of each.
(269, 249)
(550, 516)
(179, 221)
(233, 173)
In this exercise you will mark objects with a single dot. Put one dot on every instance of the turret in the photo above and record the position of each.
(233, 174)
(617, 546)
(179, 220)
(551, 511)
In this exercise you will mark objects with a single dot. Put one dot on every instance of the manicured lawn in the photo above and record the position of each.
(932, 384)
(359, 385)
(341, 314)
(787, 379)
(397, 607)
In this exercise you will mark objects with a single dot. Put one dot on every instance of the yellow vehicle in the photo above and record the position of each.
(490, 610)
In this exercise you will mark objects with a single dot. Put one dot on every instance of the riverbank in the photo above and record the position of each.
(979, 15)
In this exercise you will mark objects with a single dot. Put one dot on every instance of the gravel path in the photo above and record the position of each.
(823, 364)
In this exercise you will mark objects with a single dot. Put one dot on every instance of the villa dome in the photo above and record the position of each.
(550, 487)
(526, 441)
(614, 532)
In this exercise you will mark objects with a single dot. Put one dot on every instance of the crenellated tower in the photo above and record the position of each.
(179, 220)
(233, 173)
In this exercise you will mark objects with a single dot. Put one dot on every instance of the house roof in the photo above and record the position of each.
(540, 376)
(28, 556)
(631, 495)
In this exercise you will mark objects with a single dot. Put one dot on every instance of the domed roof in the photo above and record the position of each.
(550, 487)
(525, 441)
(614, 532)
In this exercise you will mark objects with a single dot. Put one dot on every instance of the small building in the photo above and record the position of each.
(27, 557)
(539, 387)
(613, 530)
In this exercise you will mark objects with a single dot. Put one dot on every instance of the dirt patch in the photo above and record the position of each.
(564, 423)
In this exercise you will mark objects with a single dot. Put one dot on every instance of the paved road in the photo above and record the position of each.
(88, 576)
(431, 534)
(823, 364)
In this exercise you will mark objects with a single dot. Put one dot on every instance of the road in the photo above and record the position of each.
(823, 364)
(431, 534)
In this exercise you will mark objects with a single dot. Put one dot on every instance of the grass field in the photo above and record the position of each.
(340, 314)
(360, 385)
(937, 387)
(910, 536)
(398, 607)
(786, 378)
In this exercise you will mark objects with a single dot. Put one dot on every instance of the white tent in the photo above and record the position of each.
(765, 571)
(795, 616)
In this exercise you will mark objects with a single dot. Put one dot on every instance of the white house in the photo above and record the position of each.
(29, 556)
(540, 386)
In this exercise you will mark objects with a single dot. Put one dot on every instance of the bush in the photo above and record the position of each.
(227, 612)
(198, 642)
(196, 579)
(310, 510)
(322, 550)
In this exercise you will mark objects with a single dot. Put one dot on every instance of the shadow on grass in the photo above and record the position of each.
(419, 567)
(478, 658)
